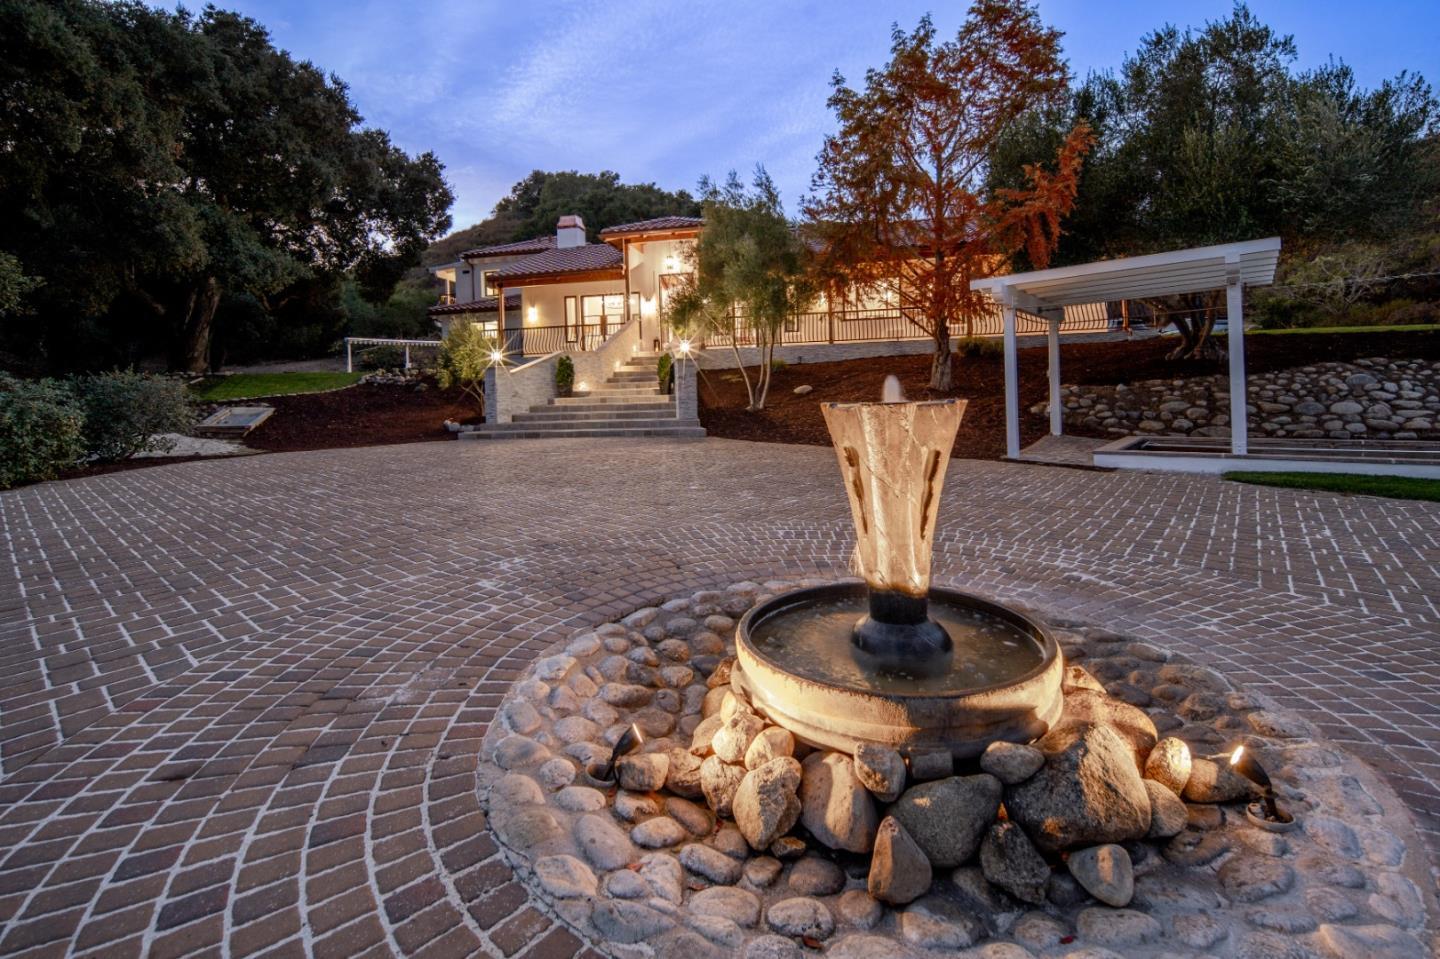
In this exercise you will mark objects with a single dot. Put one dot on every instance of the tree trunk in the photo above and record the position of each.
(942, 378)
(199, 318)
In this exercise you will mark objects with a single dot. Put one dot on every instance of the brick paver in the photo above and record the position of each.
(240, 702)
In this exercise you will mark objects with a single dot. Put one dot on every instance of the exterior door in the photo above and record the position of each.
(671, 284)
(601, 314)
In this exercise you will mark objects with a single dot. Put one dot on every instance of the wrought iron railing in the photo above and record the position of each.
(860, 326)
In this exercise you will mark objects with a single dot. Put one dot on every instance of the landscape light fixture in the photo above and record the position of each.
(629, 741)
(497, 357)
(1243, 761)
(684, 347)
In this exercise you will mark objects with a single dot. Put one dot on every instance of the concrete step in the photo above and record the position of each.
(549, 426)
(621, 390)
(683, 429)
(550, 414)
(626, 377)
(619, 399)
(597, 407)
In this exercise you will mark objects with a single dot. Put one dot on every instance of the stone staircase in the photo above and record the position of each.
(629, 403)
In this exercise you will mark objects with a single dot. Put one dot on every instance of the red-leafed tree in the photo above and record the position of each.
(900, 202)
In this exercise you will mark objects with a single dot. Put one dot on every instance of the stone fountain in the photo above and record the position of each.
(894, 660)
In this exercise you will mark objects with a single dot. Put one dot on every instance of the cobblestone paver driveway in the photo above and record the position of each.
(240, 701)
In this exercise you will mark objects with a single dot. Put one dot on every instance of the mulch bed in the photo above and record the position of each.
(788, 418)
(362, 415)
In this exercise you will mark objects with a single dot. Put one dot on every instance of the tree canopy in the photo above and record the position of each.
(748, 262)
(1210, 135)
(901, 198)
(158, 162)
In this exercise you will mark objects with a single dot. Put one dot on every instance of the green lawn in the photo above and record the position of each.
(1397, 487)
(1412, 328)
(244, 386)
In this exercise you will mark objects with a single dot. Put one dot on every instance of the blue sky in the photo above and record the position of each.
(668, 90)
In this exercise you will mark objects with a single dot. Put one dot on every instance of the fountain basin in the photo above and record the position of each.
(794, 664)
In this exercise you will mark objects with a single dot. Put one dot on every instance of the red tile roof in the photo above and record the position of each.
(487, 304)
(538, 244)
(654, 225)
(573, 259)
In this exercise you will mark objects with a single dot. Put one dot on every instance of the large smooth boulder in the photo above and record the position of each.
(1105, 872)
(766, 805)
(1168, 816)
(719, 781)
(1009, 860)
(735, 734)
(1011, 763)
(1169, 764)
(835, 806)
(1089, 791)
(948, 817)
(1130, 723)
(881, 770)
(772, 743)
(642, 772)
(1212, 782)
(899, 871)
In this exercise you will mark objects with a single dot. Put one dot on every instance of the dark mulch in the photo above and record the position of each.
(788, 418)
(362, 415)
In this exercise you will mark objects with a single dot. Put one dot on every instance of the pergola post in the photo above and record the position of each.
(1057, 420)
(1012, 376)
(349, 357)
(1235, 321)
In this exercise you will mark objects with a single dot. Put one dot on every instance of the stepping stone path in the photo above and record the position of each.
(730, 838)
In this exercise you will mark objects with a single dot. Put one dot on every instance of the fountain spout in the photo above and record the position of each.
(893, 456)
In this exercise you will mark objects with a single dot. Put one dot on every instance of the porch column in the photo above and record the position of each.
(500, 319)
(1235, 319)
(1057, 421)
(1012, 377)
(349, 357)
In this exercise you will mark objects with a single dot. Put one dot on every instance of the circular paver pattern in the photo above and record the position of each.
(242, 701)
(612, 868)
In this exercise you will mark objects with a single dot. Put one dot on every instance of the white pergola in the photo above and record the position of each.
(1045, 293)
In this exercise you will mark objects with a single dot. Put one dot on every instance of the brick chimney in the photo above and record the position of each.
(570, 231)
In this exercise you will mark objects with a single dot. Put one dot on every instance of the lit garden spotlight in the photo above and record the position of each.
(628, 742)
(1244, 762)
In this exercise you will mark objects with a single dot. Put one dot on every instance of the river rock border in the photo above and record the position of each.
(652, 870)
(1373, 398)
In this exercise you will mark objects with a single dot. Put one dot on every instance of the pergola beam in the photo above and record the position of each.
(1231, 267)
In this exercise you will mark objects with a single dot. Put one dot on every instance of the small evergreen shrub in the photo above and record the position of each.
(40, 430)
(564, 375)
(125, 410)
(465, 354)
(382, 358)
(974, 347)
(777, 365)
(665, 372)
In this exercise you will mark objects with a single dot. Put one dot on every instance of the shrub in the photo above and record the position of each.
(40, 430)
(777, 365)
(465, 354)
(382, 358)
(124, 412)
(665, 372)
(564, 375)
(974, 347)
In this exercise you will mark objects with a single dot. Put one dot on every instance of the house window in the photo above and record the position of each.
(489, 288)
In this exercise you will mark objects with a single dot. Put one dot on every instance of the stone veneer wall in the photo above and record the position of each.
(1375, 398)
(515, 389)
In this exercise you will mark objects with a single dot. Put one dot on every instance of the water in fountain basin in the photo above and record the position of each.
(813, 641)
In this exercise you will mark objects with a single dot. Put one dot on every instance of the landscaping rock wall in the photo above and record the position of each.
(1374, 398)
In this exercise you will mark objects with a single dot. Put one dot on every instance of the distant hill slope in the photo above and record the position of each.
(536, 202)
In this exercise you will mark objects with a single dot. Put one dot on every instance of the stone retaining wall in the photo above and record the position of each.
(1373, 398)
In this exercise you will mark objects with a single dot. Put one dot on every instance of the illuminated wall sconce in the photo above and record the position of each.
(532, 316)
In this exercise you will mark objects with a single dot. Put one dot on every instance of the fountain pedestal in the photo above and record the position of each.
(894, 661)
